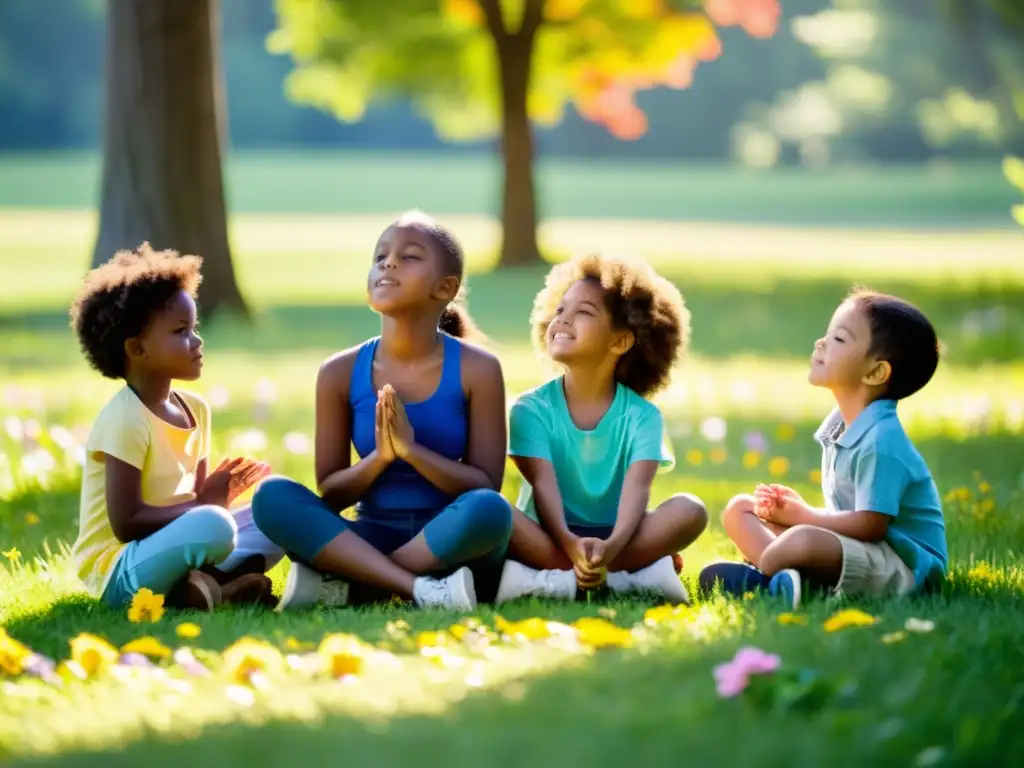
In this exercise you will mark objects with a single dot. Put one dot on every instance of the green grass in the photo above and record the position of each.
(304, 181)
(949, 696)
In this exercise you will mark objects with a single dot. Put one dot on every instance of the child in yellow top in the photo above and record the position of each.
(152, 513)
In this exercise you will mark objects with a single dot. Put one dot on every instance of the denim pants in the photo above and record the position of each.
(206, 535)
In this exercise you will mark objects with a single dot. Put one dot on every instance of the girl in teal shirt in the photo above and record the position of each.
(589, 443)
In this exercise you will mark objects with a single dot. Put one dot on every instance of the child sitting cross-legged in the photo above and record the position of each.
(881, 532)
(589, 443)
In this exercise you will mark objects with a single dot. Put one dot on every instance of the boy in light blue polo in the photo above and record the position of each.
(882, 531)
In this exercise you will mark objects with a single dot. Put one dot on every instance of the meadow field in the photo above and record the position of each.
(931, 681)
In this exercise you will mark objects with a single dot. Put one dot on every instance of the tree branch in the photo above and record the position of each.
(533, 17)
(495, 23)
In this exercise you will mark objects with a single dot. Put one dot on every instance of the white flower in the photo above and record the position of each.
(61, 437)
(297, 443)
(218, 397)
(14, 429)
(266, 392)
(714, 429)
(249, 441)
(919, 625)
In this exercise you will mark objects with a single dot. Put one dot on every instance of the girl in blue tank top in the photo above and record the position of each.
(425, 413)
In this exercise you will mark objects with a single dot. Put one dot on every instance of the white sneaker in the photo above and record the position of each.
(519, 581)
(456, 591)
(306, 587)
(658, 577)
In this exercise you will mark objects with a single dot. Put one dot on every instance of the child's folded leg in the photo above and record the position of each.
(748, 532)
(254, 553)
(159, 562)
(668, 529)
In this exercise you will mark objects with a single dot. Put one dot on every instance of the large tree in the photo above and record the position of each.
(482, 67)
(164, 130)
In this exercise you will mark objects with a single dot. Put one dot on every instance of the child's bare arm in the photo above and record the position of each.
(130, 518)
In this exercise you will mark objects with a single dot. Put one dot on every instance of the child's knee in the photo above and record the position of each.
(490, 515)
(793, 548)
(212, 527)
(272, 504)
(690, 512)
(736, 508)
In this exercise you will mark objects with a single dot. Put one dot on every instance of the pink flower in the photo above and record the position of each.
(733, 677)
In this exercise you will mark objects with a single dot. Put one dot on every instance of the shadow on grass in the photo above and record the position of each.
(951, 690)
(774, 319)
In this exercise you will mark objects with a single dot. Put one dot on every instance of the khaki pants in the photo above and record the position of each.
(872, 569)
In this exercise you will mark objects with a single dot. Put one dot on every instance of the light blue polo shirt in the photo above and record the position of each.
(590, 464)
(871, 466)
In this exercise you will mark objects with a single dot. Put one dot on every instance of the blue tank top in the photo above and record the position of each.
(439, 422)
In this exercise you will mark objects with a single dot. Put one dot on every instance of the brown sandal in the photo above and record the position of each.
(251, 589)
(197, 591)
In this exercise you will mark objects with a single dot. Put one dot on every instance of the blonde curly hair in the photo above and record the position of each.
(638, 300)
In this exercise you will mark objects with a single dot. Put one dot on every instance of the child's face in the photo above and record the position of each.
(406, 272)
(582, 326)
(840, 359)
(170, 346)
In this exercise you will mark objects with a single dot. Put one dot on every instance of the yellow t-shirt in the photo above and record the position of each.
(167, 456)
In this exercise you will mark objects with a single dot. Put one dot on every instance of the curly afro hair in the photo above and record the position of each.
(119, 299)
(639, 300)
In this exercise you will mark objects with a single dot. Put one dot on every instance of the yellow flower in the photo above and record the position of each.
(963, 493)
(665, 613)
(13, 555)
(188, 630)
(751, 459)
(431, 639)
(599, 633)
(294, 644)
(695, 456)
(778, 466)
(533, 628)
(984, 487)
(718, 455)
(792, 618)
(343, 654)
(983, 572)
(13, 654)
(785, 432)
(146, 607)
(749, 595)
(894, 637)
(31, 518)
(850, 617)
(985, 506)
(247, 656)
(814, 476)
(92, 654)
(147, 646)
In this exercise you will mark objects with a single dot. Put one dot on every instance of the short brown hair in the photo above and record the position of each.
(119, 299)
(638, 300)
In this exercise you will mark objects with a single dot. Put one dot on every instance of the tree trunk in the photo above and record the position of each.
(162, 177)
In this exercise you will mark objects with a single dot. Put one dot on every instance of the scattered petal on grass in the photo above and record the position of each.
(894, 637)
(188, 630)
(850, 617)
(146, 607)
(929, 756)
(919, 625)
(12, 554)
(187, 662)
(733, 677)
(134, 659)
(31, 518)
(241, 695)
(147, 646)
(792, 618)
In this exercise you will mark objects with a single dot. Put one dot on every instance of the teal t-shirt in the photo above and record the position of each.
(590, 464)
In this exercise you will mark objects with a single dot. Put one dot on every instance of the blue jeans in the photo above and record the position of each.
(203, 535)
(477, 525)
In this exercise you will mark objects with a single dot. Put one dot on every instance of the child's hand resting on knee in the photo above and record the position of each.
(779, 504)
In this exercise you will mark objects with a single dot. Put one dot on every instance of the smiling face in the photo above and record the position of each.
(170, 345)
(407, 272)
(582, 330)
(841, 358)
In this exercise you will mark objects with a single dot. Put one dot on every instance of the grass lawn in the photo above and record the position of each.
(868, 693)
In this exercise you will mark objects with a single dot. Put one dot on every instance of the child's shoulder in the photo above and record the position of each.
(123, 404)
(543, 395)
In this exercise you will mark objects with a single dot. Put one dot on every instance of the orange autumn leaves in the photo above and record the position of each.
(612, 50)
